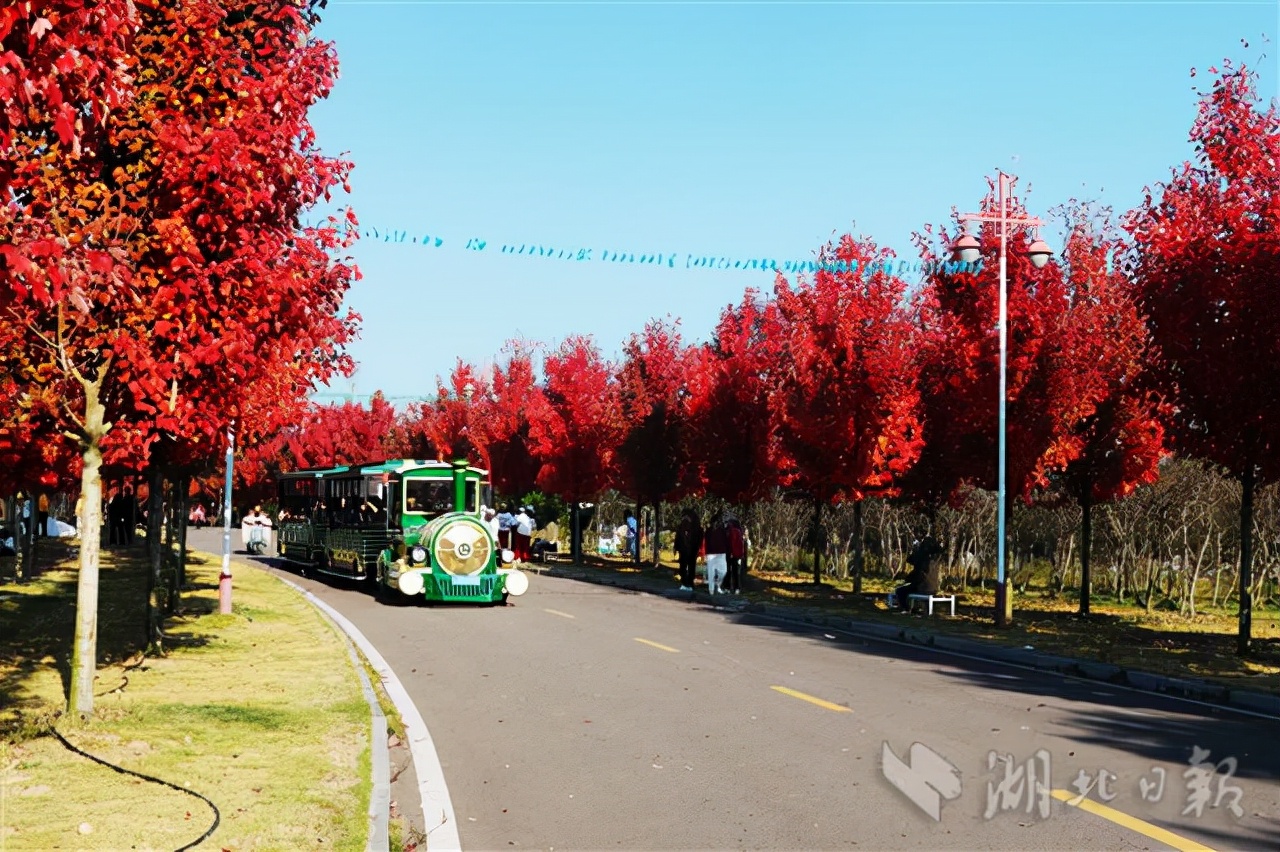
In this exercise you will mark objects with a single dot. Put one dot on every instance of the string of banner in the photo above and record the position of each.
(672, 260)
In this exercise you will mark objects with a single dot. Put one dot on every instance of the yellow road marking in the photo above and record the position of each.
(659, 647)
(827, 704)
(1155, 832)
(559, 613)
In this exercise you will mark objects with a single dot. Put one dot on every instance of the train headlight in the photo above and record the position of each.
(411, 583)
(419, 555)
(517, 582)
(508, 555)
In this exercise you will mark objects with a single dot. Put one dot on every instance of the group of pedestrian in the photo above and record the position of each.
(724, 546)
(40, 529)
(514, 531)
(122, 517)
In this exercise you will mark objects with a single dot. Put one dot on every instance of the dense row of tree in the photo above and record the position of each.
(156, 161)
(1145, 336)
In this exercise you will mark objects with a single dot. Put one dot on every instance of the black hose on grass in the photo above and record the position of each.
(217, 815)
(124, 683)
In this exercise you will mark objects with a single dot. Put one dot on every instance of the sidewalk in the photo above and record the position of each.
(917, 631)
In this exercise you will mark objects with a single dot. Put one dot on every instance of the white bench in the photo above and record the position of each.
(930, 600)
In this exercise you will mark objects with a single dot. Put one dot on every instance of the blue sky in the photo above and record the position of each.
(730, 129)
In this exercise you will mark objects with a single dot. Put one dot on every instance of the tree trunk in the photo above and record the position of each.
(857, 547)
(1245, 636)
(1152, 578)
(14, 522)
(84, 653)
(22, 528)
(635, 555)
(1086, 547)
(817, 542)
(166, 560)
(1217, 568)
(1195, 578)
(155, 555)
(180, 574)
(1065, 569)
(575, 532)
(657, 533)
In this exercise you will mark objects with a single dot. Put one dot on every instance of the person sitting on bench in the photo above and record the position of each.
(548, 541)
(925, 575)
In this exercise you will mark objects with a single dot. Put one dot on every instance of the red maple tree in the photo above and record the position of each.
(847, 396)
(1207, 259)
(653, 383)
(505, 417)
(733, 436)
(577, 437)
(449, 422)
(1118, 446)
(327, 436)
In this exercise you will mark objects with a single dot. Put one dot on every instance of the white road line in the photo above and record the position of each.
(559, 613)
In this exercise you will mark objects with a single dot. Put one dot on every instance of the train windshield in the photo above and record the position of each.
(428, 497)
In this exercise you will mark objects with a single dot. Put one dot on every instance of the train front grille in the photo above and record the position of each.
(467, 587)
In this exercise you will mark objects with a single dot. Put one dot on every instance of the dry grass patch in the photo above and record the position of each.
(259, 711)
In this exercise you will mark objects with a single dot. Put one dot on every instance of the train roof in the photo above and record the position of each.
(374, 468)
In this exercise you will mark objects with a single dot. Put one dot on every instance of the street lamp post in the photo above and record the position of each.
(968, 250)
(224, 577)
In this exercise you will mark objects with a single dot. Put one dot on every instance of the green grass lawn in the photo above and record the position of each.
(260, 711)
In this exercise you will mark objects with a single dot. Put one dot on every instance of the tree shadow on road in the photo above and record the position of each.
(1159, 728)
(1126, 722)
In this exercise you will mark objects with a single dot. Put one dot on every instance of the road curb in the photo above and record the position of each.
(380, 795)
(1197, 690)
(442, 835)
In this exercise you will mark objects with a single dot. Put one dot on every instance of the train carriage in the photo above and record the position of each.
(410, 527)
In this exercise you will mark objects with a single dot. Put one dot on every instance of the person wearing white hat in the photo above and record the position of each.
(523, 535)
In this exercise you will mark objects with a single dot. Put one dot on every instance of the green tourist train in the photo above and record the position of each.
(409, 527)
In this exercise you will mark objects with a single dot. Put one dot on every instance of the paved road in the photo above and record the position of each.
(587, 717)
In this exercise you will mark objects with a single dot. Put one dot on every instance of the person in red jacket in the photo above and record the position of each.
(688, 543)
(717, 544)
(737, 555)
